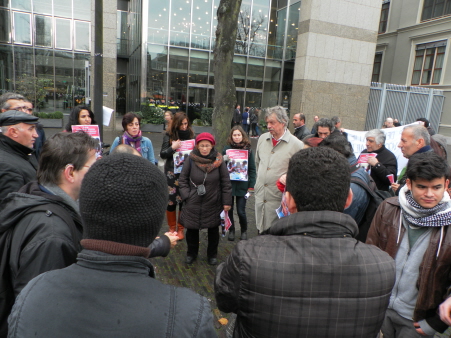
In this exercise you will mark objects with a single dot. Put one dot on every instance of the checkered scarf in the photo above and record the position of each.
(416, 215)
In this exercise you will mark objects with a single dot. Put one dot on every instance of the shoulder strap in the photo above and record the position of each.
(62, 213)
(120, 140)
(362, 184)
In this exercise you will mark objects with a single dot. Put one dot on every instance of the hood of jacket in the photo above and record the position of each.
(16, 204)
(316, 224)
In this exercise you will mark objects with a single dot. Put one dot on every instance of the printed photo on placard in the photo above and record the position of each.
(181, 155)
(238, 164)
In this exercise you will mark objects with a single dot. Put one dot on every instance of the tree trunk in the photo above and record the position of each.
(225, 92)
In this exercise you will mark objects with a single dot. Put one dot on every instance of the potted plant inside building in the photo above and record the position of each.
(152, 118)
(50, 120)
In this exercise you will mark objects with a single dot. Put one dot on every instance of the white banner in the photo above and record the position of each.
(393, 136)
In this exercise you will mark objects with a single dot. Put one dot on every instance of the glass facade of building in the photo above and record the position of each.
(45, 51)
(177, 52)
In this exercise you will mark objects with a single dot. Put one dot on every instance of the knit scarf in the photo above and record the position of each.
(206, 163)
(134, 142)
(415, 215)
(240, 145)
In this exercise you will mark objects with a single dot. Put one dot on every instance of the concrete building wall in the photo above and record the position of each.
(404, 32)
(334, 59)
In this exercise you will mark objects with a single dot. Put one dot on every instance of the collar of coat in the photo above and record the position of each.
(15, 147)
(316, 224)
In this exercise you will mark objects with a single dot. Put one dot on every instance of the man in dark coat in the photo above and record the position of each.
(300, 129)
(237, 119)
(111, 291)
(17, 167)
(384, 163)
(309, 277)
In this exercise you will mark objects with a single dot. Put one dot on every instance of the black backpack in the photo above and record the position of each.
(376, 198)
(6, 289)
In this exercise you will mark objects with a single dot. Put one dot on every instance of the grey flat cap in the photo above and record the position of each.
(12, 117)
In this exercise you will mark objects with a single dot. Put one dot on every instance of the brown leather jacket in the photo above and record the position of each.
(435, 272)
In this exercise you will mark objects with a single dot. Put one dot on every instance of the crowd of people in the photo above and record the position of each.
(347, 246)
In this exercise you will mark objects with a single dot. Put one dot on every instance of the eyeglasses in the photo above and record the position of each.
(24, 109)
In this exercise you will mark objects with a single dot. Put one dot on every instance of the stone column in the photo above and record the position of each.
(334, 59)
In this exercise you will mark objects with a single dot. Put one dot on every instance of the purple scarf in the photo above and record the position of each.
(134, 142)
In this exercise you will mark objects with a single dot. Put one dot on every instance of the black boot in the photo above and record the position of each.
(243, 236)
(231, 235)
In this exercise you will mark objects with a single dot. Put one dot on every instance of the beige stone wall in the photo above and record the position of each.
(109, 55)
(334, 59)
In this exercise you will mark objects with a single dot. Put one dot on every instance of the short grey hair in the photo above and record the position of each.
(335, 120)
(281, 114)
(325, 123)
(10, 96)
(378, 135)
(420, 131)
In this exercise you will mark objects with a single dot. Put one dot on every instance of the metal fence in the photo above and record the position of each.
(405, 103)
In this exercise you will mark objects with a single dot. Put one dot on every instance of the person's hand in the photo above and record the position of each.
(418, 329)
(445, 311)
(372, 161)
(176, 144)
(225, 158)
(394, 187)
(283, 179)
(227, 207)
(173, 238)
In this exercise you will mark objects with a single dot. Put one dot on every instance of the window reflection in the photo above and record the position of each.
(82, 9)
(63, 34)
(180, 23)
(22, 32)
(43, 31)
(23, 5)
(5, 26)
(64, 65)
(158, 22)
(201, 23)
(82, 36)
(42, 6)
(198, 67)
(63, 8)
(6, 71)
(44, 72)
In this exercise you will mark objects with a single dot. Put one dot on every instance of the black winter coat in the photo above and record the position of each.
(301, 132)
(167, 153)
(387, 165)
(105, 295)
(204, 211)
(17, 166)
(40, 242)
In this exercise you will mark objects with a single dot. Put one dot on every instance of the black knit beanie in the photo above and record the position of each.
(123, 199)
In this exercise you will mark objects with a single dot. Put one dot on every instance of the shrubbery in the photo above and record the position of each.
(151, 115)
(206, 115)
(55, 115)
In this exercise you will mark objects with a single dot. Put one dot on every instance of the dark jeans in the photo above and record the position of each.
(192, 239)
(241, 211)
(245, 128)
(254, 129)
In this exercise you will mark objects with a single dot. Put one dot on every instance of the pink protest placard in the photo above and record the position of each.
(363, 158)
(90, 129)
(181, 155)
(238, 164)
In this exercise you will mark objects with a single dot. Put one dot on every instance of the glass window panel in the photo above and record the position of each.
(6, 71)
(418, 63)
(42, 6)
(81, 64)
(259, 30)
(255, 71)
(439, 61)
(159, 22)
(239, 71)
(63, 8)
(198, 67)
(63, 34)
(180, 23)
(426, 78)
(82, 10)
(416, 77)
(215, 20)
(178, 74)
(156, 71)
(24, 72)
(253, 99)
(292, 32)
(82, 36)
(439, 7)
(64, 67)
(44, 73)
(122, 32)
(201, 23)
(22, 33)
(4, 3)
(243, 29)
(43, 30)
(437, 75)
(5, 27)
(196, 101)
(23, 5)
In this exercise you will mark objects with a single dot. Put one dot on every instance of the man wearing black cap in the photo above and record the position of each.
(111, 290)
(17, 166)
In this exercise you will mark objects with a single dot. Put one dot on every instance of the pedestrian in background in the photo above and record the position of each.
(206, 191)
(245, 120)
(179, 130)
(239, 140)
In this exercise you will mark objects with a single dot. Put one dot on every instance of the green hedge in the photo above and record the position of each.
(151, 115)
(206, 115)
(55, 115)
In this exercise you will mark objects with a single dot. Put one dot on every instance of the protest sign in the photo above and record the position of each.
(238, 164)
(181, 155)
